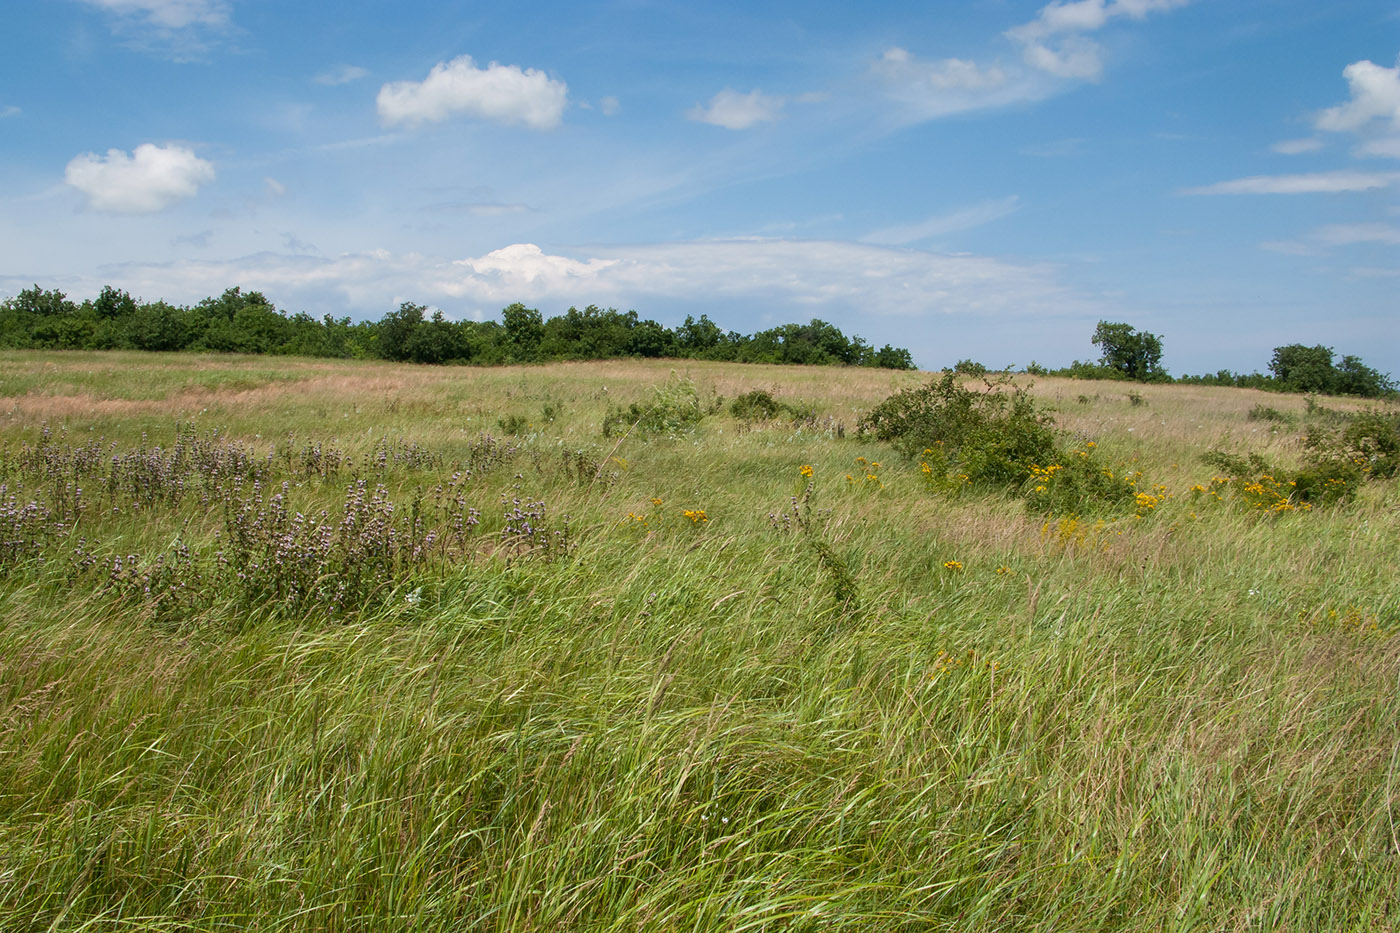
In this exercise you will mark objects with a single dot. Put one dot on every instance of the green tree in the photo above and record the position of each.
(1134, 353)
(1304, 369)
(524, 332)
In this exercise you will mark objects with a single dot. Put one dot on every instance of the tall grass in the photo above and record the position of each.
(908, 710)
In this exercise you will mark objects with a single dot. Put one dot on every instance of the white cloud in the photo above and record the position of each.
(951, 85)
(1348, 234)
(1054, 42)
(10, 110)
(1313, 183)
(150, 179)
(1388, 148)
(274, 187)
(735, 111)
(792, 277)
(501, 93)
(963, 219)
(610, 106)
(340, 74)
(1297, 146)
(168, 14)
(1375, 95)
(1076, 57)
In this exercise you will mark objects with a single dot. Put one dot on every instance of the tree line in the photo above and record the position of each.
(1130, 354)
(247, 322)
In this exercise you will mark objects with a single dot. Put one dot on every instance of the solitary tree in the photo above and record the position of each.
(1136, 354)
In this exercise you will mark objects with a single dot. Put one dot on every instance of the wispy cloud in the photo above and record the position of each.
(1312, 183)
(184, 29)
(499, 93)
(1056, 52)
(1348, 234)
(793, 276)
(340, 74)
(962, 219)
(1297, 146)
(9, 110)
(1056, 43)
(735, 111)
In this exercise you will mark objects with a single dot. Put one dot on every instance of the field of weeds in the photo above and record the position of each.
(310, 645)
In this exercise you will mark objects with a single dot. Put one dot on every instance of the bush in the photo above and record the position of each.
(969, 368)
(675, 409)
(989, 437)
(1079, 482)
(759, 405)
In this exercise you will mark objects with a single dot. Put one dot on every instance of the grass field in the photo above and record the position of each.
(523, 676)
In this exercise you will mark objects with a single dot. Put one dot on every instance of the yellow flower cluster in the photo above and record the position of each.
(946, 662)
(696, 516)
(953, 566)
(806, 471)
(1268, 494)
(869, 474)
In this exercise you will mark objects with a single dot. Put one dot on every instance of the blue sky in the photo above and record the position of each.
(984, 179)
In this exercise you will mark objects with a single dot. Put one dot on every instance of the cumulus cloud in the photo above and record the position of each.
(340, 74)
(150, 179)
(1312, 183)
(1375, 95)
(735, 111)
(1372, 111)
(1297, 146)
(500, 93)
(963, 219)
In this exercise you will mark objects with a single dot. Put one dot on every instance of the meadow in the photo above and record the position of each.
(292, 644)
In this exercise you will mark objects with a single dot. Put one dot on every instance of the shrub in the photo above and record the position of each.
(759, 405)
(989, 437)
(1263, 412)
(754, 406)
(1079, 482)
(675, 409)
(969, 368)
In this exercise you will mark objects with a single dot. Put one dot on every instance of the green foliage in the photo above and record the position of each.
(1299, 368)
(1368, 441)
(992, 437)
(969, 368)
(845, 594)
(1136, 354)
(674, 410)
(1262, 412)
(760, 405)
(247, 322)
(1081, 482)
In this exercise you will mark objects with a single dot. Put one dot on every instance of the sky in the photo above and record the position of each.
(972, 180)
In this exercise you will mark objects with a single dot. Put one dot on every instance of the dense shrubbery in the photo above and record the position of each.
(982, 437)
(246, 322)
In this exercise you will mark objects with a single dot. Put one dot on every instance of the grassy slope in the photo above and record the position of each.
(1191, 724)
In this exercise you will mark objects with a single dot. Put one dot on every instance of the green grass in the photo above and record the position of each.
(1189, 721)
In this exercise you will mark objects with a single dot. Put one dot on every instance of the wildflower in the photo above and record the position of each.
(953, 566)
(1004, 570)
(696, 516)
(806, 471)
